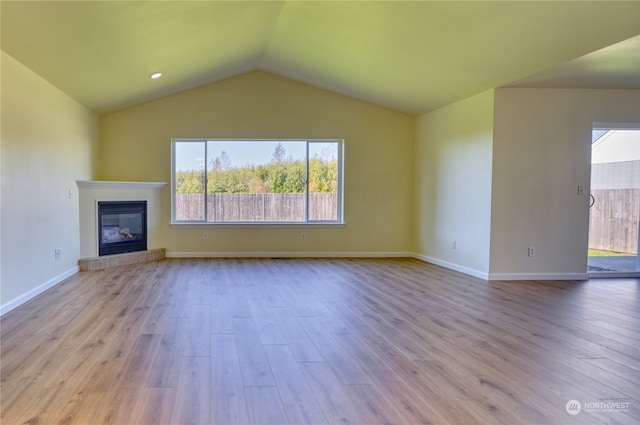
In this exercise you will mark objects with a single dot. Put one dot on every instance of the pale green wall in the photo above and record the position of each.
(541, 153)
(453, 184)
(48, 141)
(135, 146)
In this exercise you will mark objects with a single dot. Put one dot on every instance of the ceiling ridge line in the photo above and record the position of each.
(269, 40)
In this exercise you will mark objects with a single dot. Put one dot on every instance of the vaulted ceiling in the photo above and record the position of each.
(412, 56)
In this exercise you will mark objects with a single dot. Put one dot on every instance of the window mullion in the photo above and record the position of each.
(306, 183)
(206, 181)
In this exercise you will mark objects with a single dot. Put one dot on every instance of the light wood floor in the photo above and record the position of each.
(348, 341)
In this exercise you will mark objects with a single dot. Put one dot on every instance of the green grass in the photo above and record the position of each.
(600, 253)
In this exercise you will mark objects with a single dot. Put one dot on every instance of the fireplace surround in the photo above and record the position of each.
(122, 226)
(90, 192)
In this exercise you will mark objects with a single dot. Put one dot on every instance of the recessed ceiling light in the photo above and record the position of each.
(155, 75)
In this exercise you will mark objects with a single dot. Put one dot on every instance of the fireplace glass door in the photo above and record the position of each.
(122, 226)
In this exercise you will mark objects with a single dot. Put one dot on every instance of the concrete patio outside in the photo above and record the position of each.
(621, 263)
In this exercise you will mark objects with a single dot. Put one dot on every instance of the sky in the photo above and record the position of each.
(190, 156)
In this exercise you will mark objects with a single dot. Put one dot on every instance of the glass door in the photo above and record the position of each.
(614, 215)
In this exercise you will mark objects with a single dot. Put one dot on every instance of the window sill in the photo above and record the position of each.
(251, 224)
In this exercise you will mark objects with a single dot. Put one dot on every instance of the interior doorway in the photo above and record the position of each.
(614, 214)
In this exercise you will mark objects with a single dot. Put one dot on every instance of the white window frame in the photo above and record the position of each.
(340, 193)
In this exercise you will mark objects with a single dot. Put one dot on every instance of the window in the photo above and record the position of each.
(256, 181)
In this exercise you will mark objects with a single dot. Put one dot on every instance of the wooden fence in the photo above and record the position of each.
(258, 207)
(613, 224)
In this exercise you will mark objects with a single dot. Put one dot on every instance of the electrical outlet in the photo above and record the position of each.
(303, 235)
(532, 251)
(453, 245)
(57, 253)
(205, 235)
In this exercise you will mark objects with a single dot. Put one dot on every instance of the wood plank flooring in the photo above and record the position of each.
(320, 341)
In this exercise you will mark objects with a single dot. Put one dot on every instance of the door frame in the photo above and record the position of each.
(614, 125)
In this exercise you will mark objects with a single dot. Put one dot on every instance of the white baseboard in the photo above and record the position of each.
(286, 254)
(452, 266)
(502, 276)
(297, 254)
(5, 308)
(538, 276)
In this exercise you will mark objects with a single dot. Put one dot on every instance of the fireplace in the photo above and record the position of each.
(122, 227)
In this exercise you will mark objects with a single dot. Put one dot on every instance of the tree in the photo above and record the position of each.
(278, 154)
(323, 176)
(190, 182)
(221, 162)
(282, 175)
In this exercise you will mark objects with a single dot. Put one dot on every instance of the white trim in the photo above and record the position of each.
(452, 266)
(287, 254)
(307, 141)
(269, 224)
(538, 276)
(37, 291)
(310, 254)
(95, 184)
(502, 276)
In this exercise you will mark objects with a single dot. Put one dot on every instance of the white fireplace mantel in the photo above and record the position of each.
(92, 191)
